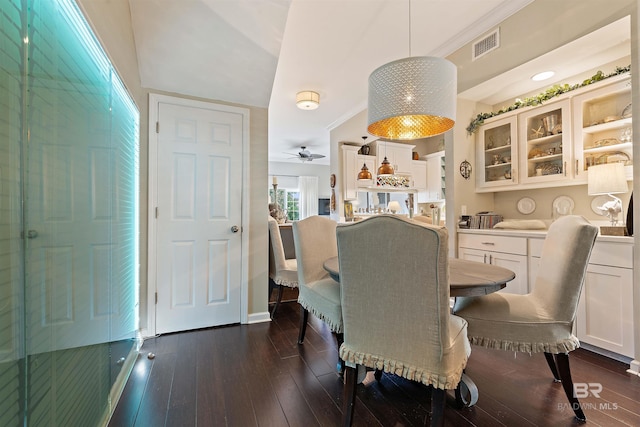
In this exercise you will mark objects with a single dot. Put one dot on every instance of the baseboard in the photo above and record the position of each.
(634, 367)
(118, 387)
(259, 317)
(607, 353)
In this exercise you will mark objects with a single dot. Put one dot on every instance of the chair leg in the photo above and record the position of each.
(278, 300)
(552, 365)
(438, 403)
(340, 339)
(272, 286)
(349, 397)
(562, 361)
(304, 316)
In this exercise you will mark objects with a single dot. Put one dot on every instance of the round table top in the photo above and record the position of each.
(466, 278)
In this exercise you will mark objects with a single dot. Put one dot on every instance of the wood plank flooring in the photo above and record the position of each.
(256, 375)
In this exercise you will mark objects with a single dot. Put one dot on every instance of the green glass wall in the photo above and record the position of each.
(68, 219)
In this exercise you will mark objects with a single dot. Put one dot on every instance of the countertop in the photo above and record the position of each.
(539, 234)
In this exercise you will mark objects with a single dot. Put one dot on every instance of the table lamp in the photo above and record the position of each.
(394, 206)
(608, 179)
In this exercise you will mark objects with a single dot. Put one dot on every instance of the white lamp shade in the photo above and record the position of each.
(394, 206)
(307, 100)
(606, 179)
(412, 98)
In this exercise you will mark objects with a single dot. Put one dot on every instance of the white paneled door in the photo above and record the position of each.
(71, 214)
(198, 217)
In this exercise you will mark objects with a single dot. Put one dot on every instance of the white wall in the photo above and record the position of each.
(112, 23)
(291, 169)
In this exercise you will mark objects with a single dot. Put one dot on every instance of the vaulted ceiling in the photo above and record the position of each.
(262, 52)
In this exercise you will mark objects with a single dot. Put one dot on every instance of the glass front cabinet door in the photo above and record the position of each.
(545, 138)
(496, 154)
(602, 128)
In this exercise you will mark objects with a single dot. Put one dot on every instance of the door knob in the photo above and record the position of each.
(32, 234)
(235, 229)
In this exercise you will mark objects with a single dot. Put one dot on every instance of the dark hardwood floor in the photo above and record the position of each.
(256, 375)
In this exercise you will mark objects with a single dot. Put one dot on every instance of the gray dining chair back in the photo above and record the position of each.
(394, 275)
(541, 321)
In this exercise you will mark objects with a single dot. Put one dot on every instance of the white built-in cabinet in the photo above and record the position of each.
(503, 251)
(350, 170)
(436, 189)
(399, 155)
(605, 310)
(419, 178)
(497, 154)
(553, 144)
(352, 163)
(602, 127)
(545, 141)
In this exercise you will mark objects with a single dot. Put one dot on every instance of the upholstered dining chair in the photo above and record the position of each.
(314, 239)
(282, 271)
(395, 307)
(541, 321)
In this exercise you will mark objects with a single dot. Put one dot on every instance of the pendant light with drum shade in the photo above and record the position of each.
(413, 97)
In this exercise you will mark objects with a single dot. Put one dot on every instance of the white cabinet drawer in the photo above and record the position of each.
(612, 254)
(535, 247)
(603, 253)
(506, 244)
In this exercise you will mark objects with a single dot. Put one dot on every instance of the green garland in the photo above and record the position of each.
(553, 91)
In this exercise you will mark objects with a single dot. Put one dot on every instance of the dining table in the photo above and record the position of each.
(466, 279)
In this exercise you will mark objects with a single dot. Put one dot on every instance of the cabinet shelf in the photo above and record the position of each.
(382, 189)
(498, 149)
(604, 148)
(498, 165)
(545, 140)
(540, 159)
(617, 124)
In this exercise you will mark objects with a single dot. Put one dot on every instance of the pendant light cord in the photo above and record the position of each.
(409, 28)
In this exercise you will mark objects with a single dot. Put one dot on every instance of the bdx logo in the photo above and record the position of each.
(582, 390)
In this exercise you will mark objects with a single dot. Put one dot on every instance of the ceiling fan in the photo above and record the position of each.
(306, 156)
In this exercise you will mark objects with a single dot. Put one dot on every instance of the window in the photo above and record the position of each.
(293, 206)
(288, 201)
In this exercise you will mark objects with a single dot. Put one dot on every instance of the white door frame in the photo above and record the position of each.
(154, 100)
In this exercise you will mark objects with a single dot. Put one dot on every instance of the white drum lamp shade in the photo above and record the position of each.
(412, 98)
(307, 100)
(608, 178)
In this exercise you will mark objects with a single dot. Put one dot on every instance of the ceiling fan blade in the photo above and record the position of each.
(316, 156)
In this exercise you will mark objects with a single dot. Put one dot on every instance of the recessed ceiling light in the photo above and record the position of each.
(542, 76)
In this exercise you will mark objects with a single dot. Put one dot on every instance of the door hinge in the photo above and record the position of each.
(156, 212)
(157, 127)
(156, 298)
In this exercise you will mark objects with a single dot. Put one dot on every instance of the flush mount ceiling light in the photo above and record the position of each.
(307, 100)
(542, 76)
(412, 98)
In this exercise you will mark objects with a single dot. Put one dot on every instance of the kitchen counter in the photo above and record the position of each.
(539, 234)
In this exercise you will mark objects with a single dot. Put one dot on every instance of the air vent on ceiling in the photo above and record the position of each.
(486, 44)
